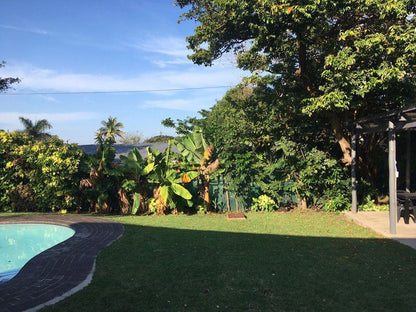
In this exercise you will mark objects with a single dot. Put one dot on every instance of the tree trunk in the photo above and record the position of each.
(124, 202)
(143, 204)
(302, 72)
(342, 141)
(304, 203)
(204, 193)
(303, 62)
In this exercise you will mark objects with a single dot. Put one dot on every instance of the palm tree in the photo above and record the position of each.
(110, 130)
(36, 129)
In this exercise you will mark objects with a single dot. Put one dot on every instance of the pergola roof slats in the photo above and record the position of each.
(403, 119)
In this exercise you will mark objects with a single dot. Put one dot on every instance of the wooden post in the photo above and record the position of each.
(228, 199)
(236, 204)
(392, 180)
(408, 148)
(354, 172)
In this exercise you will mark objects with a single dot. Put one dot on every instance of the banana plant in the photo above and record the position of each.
(198, 155)
(169, 180)
(135, 168)
(102, 181)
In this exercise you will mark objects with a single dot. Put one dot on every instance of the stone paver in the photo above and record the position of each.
(61, 270)
(378, 221)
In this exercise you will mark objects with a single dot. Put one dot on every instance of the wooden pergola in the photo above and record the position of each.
(391, 122)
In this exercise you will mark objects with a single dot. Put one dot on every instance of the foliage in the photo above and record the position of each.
(316, 67)
(159, 139)
(135, 169)
(103, 186)
(131, 138)
(369, 205)
(38, 175)
(197, 155)
(265, 152)
(110, 130)
(263, 203)
(186, 126)
(6, 82)
(193, 147)
(169, 192)
(36, 129)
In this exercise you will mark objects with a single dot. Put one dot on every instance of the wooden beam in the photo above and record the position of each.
(228, 199)
(392, 180)
(409, 125)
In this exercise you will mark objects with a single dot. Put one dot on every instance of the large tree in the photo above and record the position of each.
(323, 59)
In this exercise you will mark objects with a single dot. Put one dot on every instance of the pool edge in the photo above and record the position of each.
(92, 234)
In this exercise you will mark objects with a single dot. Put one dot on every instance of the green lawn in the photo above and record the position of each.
(299, 261)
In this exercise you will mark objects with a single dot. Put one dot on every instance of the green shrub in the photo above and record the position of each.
(263, 203)
(38, 175)
(369, 205)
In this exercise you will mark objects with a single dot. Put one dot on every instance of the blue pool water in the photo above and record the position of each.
(21, 242)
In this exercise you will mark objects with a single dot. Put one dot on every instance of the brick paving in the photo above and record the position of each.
(62, 269)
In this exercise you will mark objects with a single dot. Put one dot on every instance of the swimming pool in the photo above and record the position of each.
(21, 242)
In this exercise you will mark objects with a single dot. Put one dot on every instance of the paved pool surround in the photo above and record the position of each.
(61, 270)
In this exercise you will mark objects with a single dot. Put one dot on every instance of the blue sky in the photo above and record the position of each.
(80, 46)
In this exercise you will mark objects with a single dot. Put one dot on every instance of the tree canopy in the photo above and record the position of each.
(131, 138)
(110, 130)
(323, 60)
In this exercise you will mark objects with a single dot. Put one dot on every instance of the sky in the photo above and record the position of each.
(99, 46)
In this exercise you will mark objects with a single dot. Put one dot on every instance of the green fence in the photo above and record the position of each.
(218, 195)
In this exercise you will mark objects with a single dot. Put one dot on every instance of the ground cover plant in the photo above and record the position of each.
(297, 261)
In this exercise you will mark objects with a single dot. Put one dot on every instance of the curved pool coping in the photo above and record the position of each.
(61, 270)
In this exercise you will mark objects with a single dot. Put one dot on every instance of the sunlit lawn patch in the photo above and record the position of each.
(299, 261)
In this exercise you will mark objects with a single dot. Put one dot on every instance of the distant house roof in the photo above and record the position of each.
(122, 149)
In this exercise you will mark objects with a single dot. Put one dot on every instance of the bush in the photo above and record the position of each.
(38, 175)
(369, 205)
(263, 203)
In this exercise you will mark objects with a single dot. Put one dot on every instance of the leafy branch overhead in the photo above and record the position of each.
(5, 83)
(336, 60)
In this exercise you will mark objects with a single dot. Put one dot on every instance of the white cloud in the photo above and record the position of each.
(194, 104)
(49, 98)
(41, 79)
(31, 30)
(166, 63)
(165, 51)
(171, 46)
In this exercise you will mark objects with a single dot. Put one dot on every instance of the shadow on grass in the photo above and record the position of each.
(163, 269)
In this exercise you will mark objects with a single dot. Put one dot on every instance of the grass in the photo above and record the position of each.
(298, 261)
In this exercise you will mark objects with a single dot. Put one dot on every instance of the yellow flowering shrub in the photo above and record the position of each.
(38, 175)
